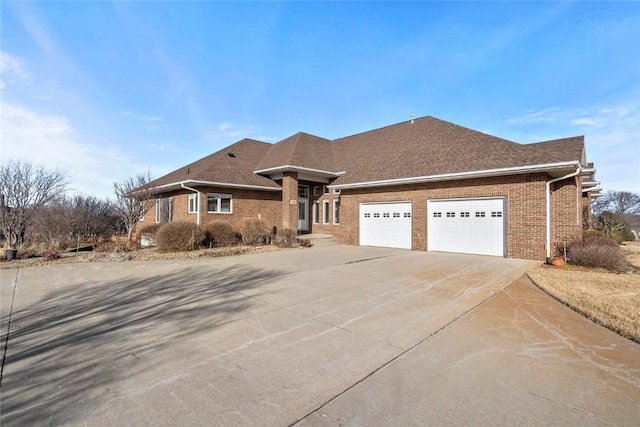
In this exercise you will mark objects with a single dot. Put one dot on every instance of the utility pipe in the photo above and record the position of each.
(548, 196)
(198, 193)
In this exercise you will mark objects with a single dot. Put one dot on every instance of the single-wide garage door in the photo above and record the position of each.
(473, 226)
(386, 224)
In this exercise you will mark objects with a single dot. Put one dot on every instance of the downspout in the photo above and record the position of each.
(548, 196)
(198, 193)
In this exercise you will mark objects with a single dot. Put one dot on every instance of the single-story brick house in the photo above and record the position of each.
(424, 184)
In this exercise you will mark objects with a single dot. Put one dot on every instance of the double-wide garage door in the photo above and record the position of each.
(386, 224)
(468, 226)
(474, 226)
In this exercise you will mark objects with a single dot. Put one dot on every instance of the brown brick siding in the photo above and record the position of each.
(524, 195)
(524, 203)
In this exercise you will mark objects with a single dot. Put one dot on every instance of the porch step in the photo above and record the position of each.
(319, 239)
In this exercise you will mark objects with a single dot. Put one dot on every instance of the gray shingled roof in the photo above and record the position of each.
(301, 149)
(222, 168)
(425, 147)
(430, 146)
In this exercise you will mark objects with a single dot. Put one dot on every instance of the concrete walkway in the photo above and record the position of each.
(329, 335)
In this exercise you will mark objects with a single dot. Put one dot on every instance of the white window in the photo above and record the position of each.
(367, 215)
(164, 209)
(158, 211)
(316, 211)
(193, 203)
(219, 203)
(480, 214)
(325, 212)
(464, 214)
(437, 214)
(396, 214)
(496, 214)
(451, 214)
(325, 189)
(143, 208)
(316, 191)
(303, 191)
(336, 211)
(385, 215)
(336, 191)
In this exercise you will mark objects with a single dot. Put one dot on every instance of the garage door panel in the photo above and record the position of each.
(468, 226)
(386, 224)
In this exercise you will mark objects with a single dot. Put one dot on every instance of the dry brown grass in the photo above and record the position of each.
(632, 251)
(610, 299)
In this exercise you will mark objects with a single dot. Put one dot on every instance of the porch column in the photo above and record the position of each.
(290, 200)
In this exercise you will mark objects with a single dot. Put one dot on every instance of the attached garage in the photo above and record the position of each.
(473, 226)
(386, 224)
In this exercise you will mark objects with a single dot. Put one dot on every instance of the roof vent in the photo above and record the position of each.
(231, 155)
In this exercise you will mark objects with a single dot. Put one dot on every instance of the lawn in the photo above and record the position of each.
(610, 299)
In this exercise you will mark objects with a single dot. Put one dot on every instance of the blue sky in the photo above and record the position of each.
(106, 90)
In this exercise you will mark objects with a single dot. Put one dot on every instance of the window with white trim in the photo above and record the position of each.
(336, 211)
(451, 214)
(164, 209)
(464, 214)
(496, 214)
(437, 214)
(193, 203)
(316, 211)
(325, 189)
(325, 212)
(143, 209)
(219, 203)
(316, 190)
(336, 191)
(480, 214)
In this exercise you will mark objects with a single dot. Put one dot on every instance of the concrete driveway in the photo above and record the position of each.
(330, 335)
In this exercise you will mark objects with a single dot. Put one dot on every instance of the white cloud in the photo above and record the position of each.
(231, 130)
(49, 140)
(12, 70)
(612, 138)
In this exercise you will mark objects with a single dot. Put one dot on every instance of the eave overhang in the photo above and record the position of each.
(553, 169)
(191, 182)
(299, 169)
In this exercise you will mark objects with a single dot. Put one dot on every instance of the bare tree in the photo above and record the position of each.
(26, 188)
(617, 212)
(618, 203)
(130, 197)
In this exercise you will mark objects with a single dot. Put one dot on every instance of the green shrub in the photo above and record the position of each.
(597, 251)
(180, 236)
(287, 238)
(252, 231)
(220, 234)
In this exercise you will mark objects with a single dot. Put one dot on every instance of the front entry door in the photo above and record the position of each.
(303, 208)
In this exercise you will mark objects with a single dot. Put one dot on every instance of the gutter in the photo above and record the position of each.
(460, 175)
(198, 193)
(548, 197)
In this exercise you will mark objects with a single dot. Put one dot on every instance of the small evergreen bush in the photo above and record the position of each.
(180, 236)
(220, 234)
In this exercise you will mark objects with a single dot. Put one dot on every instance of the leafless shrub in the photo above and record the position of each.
(305, 243)
(149, 234)
(180, 236)
(253, 231)
(597, 252)
(220, 234)
(287, 238)
(131, 200)
(24, 189)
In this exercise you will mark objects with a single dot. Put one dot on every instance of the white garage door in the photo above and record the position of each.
(474, 226)
(386, 224)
